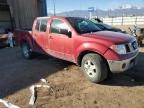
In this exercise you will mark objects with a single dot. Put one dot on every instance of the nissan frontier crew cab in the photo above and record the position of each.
(80, 41)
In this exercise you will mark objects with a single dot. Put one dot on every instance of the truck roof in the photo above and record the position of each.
(55, 17)
(51, 17)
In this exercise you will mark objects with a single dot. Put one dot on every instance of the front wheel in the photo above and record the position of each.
(94, 67)
(26, 51)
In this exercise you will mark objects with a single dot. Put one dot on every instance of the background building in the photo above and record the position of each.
(21, 13)
(5, 17)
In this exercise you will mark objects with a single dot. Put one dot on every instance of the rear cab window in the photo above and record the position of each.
(37, 24)
(41, 25)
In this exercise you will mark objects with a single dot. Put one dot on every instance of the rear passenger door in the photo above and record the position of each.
(40, 35)
(43, 33)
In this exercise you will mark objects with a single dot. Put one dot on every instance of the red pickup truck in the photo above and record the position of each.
(80, 41)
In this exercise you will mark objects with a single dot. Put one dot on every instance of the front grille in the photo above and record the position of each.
(132, 46)
(127, 48)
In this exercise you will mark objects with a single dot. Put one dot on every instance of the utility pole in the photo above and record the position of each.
(54, 7)
(90, 10)
(90, 15)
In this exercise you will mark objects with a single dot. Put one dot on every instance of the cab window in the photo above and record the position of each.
(58, 26)
(41, 25)
(37, 24)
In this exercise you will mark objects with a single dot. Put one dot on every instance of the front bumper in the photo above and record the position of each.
(123, 65)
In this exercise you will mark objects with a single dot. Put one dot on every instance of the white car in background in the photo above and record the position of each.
(3, 37)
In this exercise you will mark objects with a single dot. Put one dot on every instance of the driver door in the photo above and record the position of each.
(60, 44)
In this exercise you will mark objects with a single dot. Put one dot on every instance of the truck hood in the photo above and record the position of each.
(114, 37)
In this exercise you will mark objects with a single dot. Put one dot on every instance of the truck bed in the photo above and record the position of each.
(22, 35)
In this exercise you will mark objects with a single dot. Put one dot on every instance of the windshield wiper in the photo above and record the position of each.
(95, 31)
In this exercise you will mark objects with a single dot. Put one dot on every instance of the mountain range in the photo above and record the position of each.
(104, 13)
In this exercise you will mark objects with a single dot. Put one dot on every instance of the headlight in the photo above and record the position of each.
(120, 49)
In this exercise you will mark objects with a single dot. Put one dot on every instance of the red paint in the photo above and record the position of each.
(63, 47)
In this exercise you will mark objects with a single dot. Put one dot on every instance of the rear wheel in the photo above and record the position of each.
(94, 67)
(26, 51)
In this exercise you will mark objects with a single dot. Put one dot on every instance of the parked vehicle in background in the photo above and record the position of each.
(3, 37)
(107, 27)
(138, 33)
(80, 41)
(96, 20)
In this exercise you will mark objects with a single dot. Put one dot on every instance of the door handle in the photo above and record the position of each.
(50, 37)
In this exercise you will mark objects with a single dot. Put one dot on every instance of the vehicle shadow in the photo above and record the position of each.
(4, 46)
(132, 77)
(16, 73)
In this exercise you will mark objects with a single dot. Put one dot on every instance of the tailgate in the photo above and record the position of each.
(20, 35)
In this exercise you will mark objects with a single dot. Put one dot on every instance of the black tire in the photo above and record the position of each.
(94, 67)
(26, 51)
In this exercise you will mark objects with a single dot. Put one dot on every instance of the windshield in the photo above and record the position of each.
(82, 25)
(103, 26)
(107, 26)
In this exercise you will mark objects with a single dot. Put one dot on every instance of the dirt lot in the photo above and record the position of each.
(69, 88)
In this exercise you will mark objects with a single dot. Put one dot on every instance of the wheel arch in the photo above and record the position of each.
(83, 53)
(22, 42)
(26, 42)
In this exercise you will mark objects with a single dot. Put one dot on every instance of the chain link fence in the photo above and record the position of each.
(133, 20)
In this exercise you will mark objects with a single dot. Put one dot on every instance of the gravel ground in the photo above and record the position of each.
(69, 87)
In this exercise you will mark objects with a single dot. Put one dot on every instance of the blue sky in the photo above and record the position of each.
(67, 5)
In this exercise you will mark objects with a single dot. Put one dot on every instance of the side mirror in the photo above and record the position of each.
(69, 34)
(66, 32)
